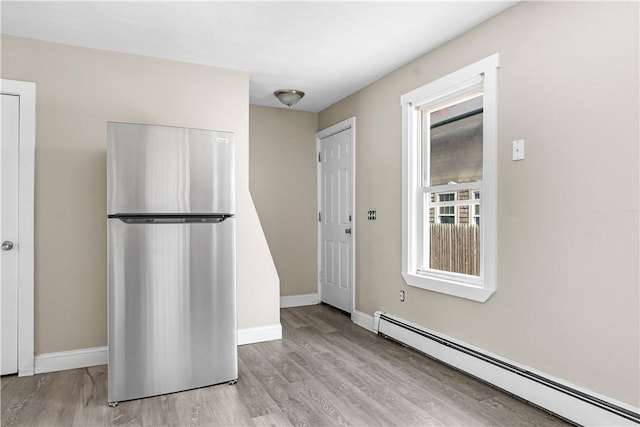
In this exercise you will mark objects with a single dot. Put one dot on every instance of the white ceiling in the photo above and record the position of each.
(328, 49)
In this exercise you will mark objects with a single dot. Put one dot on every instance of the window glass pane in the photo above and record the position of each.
(454, 237)
(447, 210)
(455, 142)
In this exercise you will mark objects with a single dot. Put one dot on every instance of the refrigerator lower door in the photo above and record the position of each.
(172, 307)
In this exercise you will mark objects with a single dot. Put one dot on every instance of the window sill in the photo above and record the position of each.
(457, 289)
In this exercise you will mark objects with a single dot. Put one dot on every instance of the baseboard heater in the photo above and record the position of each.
(568, 402)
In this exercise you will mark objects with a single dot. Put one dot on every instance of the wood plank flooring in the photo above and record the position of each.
(326, 371)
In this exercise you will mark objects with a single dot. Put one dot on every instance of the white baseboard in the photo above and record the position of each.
(73, 359)
(558, 396)
(259, 334)
(299, 300)
(82, 358)
(362, 319)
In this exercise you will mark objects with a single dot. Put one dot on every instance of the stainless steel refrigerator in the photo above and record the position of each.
(171, 260)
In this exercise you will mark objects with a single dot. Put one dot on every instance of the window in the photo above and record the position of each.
(476, 208)
(449, 183)
(446, 212)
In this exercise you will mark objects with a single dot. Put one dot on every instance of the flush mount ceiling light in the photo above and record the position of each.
(289, 97)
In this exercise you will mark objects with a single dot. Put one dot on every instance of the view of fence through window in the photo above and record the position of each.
(452, 193)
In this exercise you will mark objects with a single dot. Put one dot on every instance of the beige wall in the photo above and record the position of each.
(78, 91)
(568, 238)
(282, 178)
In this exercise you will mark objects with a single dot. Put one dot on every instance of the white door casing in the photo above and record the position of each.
(336, 225)
(17, 225)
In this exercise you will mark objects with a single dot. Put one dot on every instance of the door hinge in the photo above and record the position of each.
(319, 159)
(319, 216)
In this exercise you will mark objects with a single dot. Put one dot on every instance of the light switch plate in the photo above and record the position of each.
(518, 149)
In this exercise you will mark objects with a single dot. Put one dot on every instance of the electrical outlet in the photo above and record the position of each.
(401, 296)
(371, 215)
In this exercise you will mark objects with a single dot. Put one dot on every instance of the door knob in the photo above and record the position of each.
(347, 230)
(7, 245)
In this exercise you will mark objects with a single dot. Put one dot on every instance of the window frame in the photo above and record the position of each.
(480, 289)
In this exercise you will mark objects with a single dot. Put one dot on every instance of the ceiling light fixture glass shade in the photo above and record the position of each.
(289, 97)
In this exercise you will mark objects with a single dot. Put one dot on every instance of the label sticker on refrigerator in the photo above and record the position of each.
(223, 140)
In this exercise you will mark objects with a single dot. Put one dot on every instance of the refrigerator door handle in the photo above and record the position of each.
(174, 220)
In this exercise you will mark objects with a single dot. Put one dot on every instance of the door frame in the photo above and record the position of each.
(26, 184)
(349, 123)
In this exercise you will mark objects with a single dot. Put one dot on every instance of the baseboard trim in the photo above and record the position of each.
(73, 359)
(299, 300)
(259, 334)
(363, 320)
(558, 396)
(83, 358)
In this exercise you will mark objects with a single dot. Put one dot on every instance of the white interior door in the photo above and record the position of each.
(9, 232)
(17, 162)
(336, 231)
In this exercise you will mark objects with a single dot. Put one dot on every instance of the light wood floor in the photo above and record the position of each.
(325, 371)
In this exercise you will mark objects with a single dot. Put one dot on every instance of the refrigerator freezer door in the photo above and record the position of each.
(169, 170)
(172, 296)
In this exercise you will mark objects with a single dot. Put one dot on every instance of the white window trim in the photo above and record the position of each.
(411, 102)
